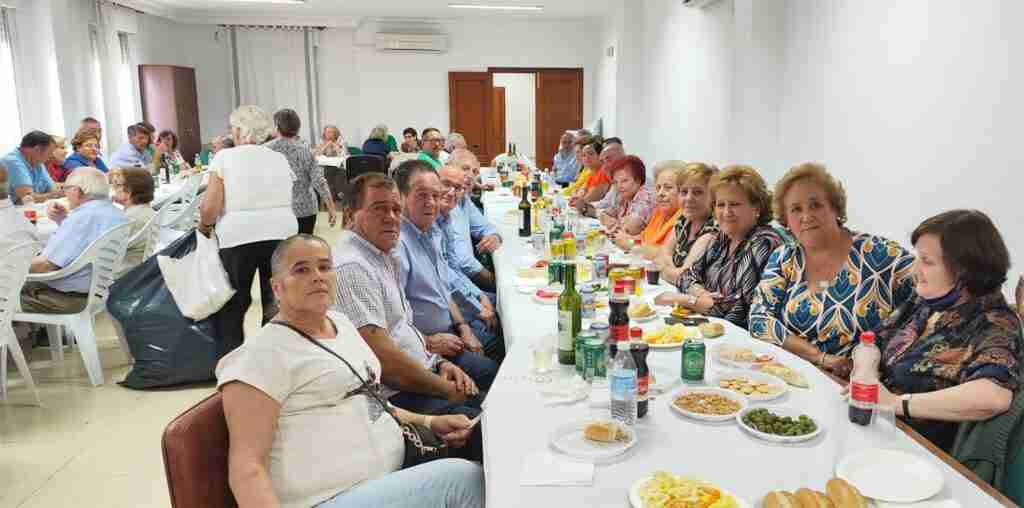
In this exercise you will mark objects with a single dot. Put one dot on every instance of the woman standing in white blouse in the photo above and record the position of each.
(305, 430)
(249, 200)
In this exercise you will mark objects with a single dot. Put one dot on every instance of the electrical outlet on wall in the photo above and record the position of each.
(610, 52)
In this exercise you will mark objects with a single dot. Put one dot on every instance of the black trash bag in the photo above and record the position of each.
(169, 348)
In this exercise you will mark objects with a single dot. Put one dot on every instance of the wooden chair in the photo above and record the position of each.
(195, 448)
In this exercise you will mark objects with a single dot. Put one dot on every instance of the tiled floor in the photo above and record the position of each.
(91, 447)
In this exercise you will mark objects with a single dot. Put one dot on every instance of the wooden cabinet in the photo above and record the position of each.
(170, 101)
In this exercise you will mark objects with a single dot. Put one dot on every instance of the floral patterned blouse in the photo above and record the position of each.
(734, 276)
(683, 240)
(874, 280)
(925, 351)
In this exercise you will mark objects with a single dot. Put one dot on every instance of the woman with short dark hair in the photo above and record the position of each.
(166, 154)
(307, 175)
(86, 145)
(953, 353)
(410, 141)
(133, 189)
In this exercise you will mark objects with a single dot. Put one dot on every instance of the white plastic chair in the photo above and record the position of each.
(14, 265)
(105, 254)
(184, 204)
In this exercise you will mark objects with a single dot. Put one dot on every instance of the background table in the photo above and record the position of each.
(516, 421)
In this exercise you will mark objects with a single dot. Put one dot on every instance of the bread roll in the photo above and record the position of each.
(604, 432)
(779, 499)
(712, 330)
(807, 498)
(844, 495)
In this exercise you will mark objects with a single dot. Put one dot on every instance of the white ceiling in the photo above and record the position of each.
(351, 12)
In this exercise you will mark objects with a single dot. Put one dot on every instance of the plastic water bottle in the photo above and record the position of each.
(622, 380)
(864, 380)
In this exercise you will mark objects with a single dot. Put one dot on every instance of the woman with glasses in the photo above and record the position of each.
(86, 145)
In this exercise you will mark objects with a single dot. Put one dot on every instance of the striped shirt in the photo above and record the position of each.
(307, 176)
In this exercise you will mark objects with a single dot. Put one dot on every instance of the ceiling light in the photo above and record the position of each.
(266, 1)
(498, 7)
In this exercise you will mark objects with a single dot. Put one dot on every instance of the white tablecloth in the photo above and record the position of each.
(516, 423)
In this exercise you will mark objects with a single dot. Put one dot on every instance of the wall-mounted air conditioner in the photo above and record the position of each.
(699, 4)
(419, 43)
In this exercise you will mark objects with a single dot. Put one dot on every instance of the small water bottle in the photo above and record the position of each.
(622, 381)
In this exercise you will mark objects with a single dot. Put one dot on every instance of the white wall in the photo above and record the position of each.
(403, 89)
(915, 105)
(673, 81)
(36, 61)
(609, 29)
(164, 42)
(520, 111)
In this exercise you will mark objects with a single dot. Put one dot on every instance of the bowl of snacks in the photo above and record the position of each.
(708, 404)
(778, 425)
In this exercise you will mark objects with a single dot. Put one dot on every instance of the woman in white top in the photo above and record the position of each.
(304, 429)
(249, 199)
(133, 189)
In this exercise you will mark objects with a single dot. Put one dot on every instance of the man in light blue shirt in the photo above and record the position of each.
(135, 153)
(26, 169)
(472, 301)
(424, 275)
(473, 226)
(89, 197)
(566, 165)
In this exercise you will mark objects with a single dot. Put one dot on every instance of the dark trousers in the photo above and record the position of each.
(241, 263)
(307, 224)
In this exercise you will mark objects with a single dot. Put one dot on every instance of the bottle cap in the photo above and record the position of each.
(867, 338)
(636, 333)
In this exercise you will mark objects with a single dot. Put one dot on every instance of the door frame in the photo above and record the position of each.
(534, 71)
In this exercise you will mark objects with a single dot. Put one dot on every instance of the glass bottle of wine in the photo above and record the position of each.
(525, 215)
(569, 304)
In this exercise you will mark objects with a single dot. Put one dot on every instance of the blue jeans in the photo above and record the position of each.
(446, 483)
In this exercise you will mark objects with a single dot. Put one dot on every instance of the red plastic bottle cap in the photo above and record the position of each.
(867, 337)
(636, 332)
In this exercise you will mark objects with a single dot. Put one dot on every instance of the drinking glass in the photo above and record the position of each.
(542, 352)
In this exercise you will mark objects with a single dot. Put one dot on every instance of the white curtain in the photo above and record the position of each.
(10, 127)
(272, 70)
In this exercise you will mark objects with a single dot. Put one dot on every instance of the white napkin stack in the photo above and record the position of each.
(544, 468)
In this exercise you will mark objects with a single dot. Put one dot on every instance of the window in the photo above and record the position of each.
(97, 80)
(10, 127)
(124, 81)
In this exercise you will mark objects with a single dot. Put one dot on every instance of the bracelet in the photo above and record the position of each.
(906, 406)
(821, 359)
(426, 420)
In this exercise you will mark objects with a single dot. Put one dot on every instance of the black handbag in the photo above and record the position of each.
(421, 444)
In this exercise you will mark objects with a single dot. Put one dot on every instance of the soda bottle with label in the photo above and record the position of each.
(643, 373)
(864, 380)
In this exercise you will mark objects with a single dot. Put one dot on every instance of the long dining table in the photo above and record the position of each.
(518, 421)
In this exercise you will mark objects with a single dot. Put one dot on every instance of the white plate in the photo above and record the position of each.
(700, 416)
(781, 411)
(568, 439)
(543, 301)
(716, 354)
(757, 377)
(635, 502)
(646, 319)
(890, 475)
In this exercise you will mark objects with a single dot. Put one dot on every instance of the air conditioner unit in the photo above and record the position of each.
(699, 4)
(419, 43)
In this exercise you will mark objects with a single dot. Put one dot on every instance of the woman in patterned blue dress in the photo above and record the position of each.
(818, 294)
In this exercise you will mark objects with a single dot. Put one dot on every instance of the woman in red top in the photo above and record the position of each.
(55, 164)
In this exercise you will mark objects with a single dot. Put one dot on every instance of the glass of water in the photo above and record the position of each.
(542, 352)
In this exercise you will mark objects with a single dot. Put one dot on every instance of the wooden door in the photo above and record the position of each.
(559, 108)
(470, 101)
(498, 114)
(189, 137)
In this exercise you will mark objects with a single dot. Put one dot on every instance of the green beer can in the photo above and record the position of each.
(693, 358)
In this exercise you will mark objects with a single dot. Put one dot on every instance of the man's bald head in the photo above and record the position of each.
(611, 153)
(467, 162)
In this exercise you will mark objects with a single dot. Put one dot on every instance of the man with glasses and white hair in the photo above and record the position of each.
(88, 194)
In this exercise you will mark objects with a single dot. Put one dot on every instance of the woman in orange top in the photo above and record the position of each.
(669, 209)
(598, 182)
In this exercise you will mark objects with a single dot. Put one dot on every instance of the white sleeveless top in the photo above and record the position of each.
(257, 196)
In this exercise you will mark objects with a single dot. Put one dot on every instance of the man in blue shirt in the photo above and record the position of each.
(26, 169)
(472, 225)
(472, 301)
(89, 196)
(424, 275)
(566, 165)
(135, 153)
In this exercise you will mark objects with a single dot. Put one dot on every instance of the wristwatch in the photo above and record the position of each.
(692, 300)
(906, 405)
(455, 326)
